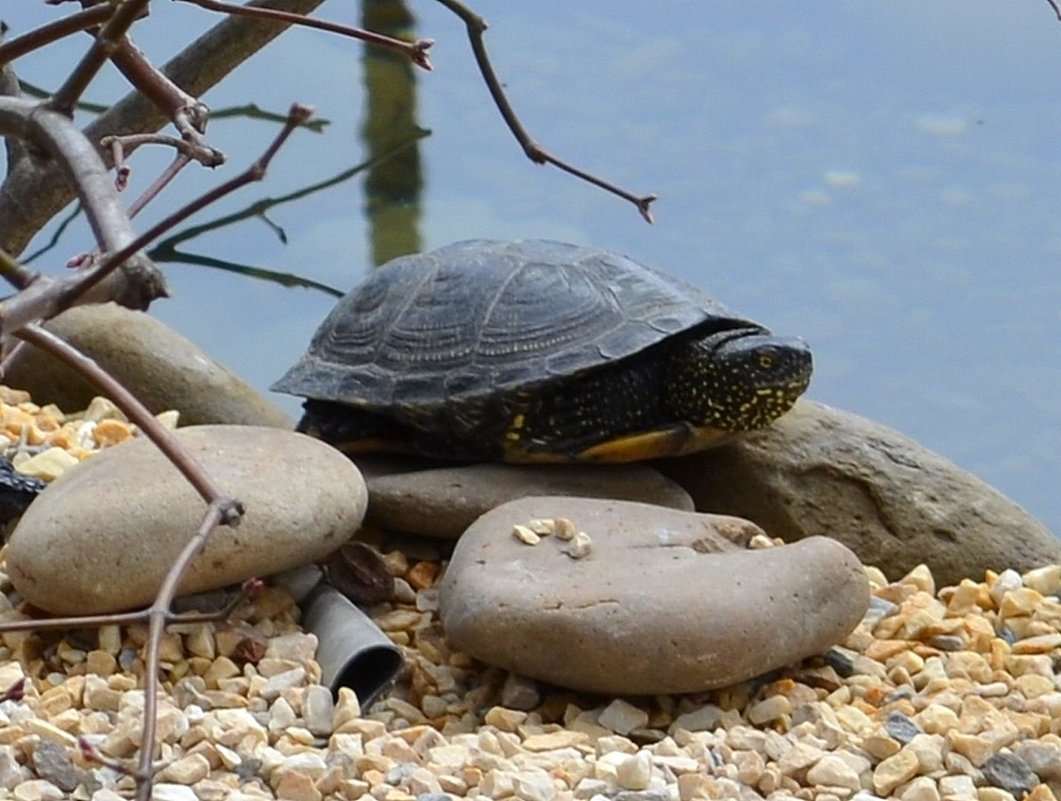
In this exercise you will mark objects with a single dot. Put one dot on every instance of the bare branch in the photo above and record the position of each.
(196, 68)
(79, 161)
(106, 42)
(135, 411)
(53, 31)
(416, 51)
(218, 513)
(476, 26)
(255, 172)
(160, 183)
(16, 274)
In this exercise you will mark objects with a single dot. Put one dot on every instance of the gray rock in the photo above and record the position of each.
(661, 603)
(444, 501)
(164, 370)
(896, 504)
(1009, 772)
(53, 763)
(901, 728)
(519, 692)
(101, 538)
(1042, 757)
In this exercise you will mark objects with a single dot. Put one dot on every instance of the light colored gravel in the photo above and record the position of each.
(889, 714)
(949, 693)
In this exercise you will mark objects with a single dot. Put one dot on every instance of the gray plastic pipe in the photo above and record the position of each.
(352, 651)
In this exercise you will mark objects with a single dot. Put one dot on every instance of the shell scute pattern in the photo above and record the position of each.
(475, 319)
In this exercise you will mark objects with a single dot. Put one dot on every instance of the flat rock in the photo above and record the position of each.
(661, 602)
(896, 504)
(164, 370)
(102, 536)
(444, 501)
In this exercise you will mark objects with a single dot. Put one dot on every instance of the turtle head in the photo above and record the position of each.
(738, 379)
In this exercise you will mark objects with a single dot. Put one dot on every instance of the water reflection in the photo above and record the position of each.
(392, 186)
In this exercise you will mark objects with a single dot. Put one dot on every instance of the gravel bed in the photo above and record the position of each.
(948, 693)
(936, 695)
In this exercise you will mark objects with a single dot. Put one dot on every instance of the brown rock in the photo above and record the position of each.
(662, 603)
(444, 501)
(101, 537)
(164, 370)
(896, 504)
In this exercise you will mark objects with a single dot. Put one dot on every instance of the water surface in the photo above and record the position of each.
(882, 179)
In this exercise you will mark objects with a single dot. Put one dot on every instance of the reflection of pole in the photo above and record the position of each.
(392, 187)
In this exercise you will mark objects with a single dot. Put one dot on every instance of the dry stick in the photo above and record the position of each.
(188, 114)
(416, 51)
(34, 191)
(53, 31)
(80, 162)
(476, 26)
(160, 183)
(105, 44)
(249, 588)
(134, 410)
(85, 281)
(222, 509)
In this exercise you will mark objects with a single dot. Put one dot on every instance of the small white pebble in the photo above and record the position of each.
(563, 528)
(525, 535)
(580, 546)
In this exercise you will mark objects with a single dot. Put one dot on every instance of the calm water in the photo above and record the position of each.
(882, 179)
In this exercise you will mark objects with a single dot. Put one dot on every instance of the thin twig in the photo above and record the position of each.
(207, 156)
(182, 459)
(53, 31)
(416, 51)
(104, 45)
(216, 514)
(16, 274)
(255, 172)
(161, 182)
(476, 26)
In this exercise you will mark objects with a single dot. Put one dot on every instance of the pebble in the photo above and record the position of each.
(894, 770)
(629, 617)
(901, 727)
(622, 717)
(1010, 772)
(101, 537)
(838, 733)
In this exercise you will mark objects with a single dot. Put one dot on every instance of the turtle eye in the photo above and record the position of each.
(766, 360)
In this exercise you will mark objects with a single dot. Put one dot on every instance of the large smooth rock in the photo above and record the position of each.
(896, 504)
(102, 536)
(663, 602)
(444, 501)
(162, 368)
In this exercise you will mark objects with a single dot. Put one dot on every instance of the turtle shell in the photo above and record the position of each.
(480, 318)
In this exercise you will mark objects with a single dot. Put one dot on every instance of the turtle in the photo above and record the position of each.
(536, 351)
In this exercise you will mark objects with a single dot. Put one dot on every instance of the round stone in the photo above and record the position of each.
(662, 603)
(444, 501)
(162, 368)
(102, 537)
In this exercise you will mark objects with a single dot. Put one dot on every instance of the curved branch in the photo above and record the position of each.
(476, 26)
(79, 163)
(195, 69)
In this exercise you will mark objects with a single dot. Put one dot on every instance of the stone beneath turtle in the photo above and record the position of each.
(538, 351)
